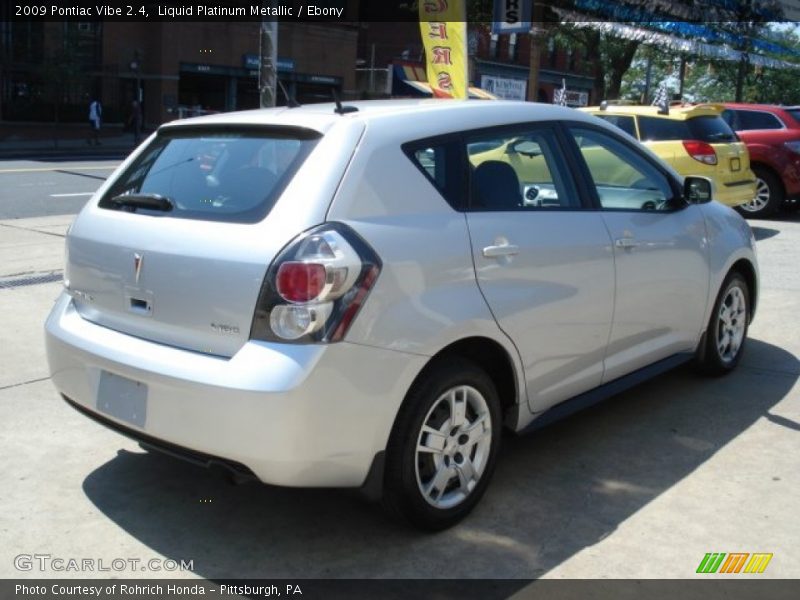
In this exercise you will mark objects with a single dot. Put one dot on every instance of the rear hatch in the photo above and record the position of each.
(690, 144)
(175, 247)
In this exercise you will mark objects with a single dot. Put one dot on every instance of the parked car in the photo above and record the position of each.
(694, 139)
(361, 297)
(772, 136)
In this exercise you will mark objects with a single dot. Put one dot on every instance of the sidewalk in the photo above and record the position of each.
(32, 246)
(34, 140)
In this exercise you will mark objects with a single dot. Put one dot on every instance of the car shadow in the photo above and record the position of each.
(763, 233)
(554, 493)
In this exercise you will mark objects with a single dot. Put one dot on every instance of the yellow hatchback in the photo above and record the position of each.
(694, 140)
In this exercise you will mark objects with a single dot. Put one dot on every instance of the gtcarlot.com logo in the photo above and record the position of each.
(48, 562)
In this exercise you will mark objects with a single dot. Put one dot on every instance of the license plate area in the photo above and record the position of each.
(122, 398)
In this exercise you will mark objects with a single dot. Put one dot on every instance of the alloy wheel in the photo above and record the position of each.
(453, 446)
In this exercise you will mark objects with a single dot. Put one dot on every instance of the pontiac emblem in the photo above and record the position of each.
(138, 259)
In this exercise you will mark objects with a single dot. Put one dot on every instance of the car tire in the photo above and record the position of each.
(443, 447)
(726, 334)
(769, 196)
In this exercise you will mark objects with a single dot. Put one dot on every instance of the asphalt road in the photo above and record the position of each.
(35, 188)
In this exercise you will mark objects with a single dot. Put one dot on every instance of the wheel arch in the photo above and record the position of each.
(498, 365)
(771, 170)
(745, 268)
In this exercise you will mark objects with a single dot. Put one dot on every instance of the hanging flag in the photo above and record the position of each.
(560, 95)
(443, 24)
(661, 99)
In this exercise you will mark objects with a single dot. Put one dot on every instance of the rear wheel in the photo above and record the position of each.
(768, 198)
(727, 328)
(444, 445)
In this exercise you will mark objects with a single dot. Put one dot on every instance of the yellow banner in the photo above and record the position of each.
(443, 24)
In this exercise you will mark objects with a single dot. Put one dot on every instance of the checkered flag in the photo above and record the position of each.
(560, 95)
(661, 99)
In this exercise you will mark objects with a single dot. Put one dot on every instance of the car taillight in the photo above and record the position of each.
(315, 287)
(701, 151)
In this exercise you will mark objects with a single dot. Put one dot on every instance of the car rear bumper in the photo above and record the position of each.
(294, 415)
(735, 193)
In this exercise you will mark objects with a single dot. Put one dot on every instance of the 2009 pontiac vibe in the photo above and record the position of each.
(364, 296)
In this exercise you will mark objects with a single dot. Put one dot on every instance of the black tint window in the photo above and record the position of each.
(753, 119)
(625, 123)
(213, 175)
(711, 129)
(655, 129)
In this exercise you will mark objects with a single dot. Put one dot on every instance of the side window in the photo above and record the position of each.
(752, 119)
(623, 122)
(729, 116)
(658, 129)
(624, 179)
(518, 171)
(439, 161)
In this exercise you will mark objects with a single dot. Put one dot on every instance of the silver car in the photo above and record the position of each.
(366, 296)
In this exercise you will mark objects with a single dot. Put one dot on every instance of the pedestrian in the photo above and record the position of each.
(95, 120)
(135, 121)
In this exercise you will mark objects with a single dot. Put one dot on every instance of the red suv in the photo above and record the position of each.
(772, 135)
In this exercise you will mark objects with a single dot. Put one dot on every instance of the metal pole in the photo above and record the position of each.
(268, 48)
(648, 75)
(372, 70)
(537, 36)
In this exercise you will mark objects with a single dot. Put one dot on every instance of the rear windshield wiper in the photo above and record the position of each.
(149, 201)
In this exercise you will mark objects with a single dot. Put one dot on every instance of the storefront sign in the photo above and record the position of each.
(253, 61)
(505, 88)
(512, 16)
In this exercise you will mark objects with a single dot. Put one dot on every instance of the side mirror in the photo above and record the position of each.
(698, 190)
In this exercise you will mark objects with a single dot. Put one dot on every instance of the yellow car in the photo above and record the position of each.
(694, 140)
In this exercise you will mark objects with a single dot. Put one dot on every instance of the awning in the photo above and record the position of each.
(410, 79)
(474, 92)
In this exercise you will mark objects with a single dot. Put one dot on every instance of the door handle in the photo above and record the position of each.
(500, 251)
(626, 243)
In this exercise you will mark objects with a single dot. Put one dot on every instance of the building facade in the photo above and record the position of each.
(50, 71)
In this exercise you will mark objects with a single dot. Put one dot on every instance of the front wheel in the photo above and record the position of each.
(443, 448)
(727, 328)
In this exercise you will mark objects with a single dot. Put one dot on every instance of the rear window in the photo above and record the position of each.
(710, 128)
(213, 174)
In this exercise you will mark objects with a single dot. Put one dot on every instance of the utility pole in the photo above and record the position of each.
(268, 68)
(537, 37)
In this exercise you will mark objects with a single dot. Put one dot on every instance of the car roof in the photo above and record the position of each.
(773, 108)
(676, 112)
(321, 117)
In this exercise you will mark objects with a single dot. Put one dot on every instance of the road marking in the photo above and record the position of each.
(59, 168)
(71, 195)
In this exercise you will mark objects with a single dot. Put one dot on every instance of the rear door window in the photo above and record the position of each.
(214, 174)
(754, 119)
(655, 129)
(623, 122)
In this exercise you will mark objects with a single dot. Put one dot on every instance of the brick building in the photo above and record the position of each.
(48, 71)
